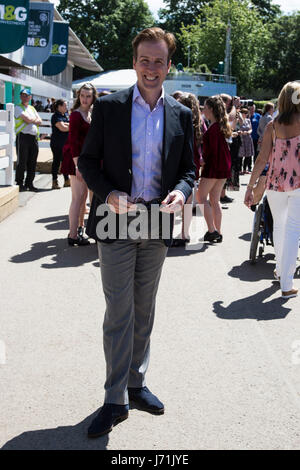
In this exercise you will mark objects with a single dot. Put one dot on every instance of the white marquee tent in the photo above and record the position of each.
(112, 80)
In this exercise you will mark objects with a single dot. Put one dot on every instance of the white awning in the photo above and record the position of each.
(111, 80)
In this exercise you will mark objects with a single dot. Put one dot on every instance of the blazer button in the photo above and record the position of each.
(129, 171)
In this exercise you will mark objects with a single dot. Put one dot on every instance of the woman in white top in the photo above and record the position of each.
(281, 149)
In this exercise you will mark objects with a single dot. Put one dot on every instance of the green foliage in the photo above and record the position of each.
(266, 10)
(203, 68)
(107, 27)
(261, 104)
(265, 43)
(178, 13)
(207, 38)
(280, 53)
(260, 94)
(181, 12)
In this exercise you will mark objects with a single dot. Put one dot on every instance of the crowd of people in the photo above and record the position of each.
(227, 140)
(49, 107)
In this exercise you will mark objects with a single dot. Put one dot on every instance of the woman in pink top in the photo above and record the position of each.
(281, 149)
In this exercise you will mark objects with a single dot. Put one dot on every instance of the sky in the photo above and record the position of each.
(287, 6)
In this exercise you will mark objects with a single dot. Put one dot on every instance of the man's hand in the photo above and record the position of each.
(119, 202)
(174, 202)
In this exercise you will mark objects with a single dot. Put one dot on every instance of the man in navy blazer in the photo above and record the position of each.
(139, 149)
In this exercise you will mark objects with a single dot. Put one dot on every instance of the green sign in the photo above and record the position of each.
(57, 61)
(13, 24)
(39, 39)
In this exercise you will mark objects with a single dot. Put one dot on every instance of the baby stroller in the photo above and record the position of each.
(262, 232)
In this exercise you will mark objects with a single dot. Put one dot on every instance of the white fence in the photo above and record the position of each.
(7, 139)
(45, 129)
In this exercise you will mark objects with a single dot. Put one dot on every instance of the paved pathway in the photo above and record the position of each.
(225, 347)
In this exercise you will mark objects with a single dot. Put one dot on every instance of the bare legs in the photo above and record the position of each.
(212, 208)
(77, 207)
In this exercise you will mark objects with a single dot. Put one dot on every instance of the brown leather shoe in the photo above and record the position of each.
(289, 294)
(67, 183)
(55, 185)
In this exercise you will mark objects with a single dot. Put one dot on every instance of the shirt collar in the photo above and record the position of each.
(137, 96)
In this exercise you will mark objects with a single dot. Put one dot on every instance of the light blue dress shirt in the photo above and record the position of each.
(147, 131)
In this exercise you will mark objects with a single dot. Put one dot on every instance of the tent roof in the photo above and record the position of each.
(111, 80)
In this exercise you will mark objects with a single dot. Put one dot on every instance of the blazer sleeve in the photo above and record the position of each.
(91, 157)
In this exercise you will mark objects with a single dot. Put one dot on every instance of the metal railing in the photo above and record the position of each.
(198, 76)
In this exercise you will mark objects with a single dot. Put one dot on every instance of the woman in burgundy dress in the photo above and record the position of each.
(217, 165)
(80, 120)
(190, 101)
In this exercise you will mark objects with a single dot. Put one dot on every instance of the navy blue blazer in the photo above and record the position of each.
(106, 158)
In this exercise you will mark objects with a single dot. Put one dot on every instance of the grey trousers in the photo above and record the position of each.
(130, 272)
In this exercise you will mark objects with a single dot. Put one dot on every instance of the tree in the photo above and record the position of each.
(207, 39)
(179, 13)
(107, 27)
(266, 10)
(186, 12)
(280, 54)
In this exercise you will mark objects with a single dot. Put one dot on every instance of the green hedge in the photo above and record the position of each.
(260, 104)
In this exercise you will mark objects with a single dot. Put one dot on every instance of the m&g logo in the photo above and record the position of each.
(12, 13)
(59, 49)
(36, 42)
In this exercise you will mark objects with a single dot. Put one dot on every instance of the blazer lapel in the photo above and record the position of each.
(124, 120)
(170, 127)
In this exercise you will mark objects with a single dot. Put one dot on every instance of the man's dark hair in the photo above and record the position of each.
(58, 103)
(155, 34)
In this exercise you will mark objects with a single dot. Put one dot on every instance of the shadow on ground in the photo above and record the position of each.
(261, 270)
(55, 223)
(63, 256)
(246, 237)
(189, 249)
(248, 272)
(61, 438)
(254, 307)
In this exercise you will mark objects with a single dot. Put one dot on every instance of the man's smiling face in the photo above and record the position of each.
(151, 66)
